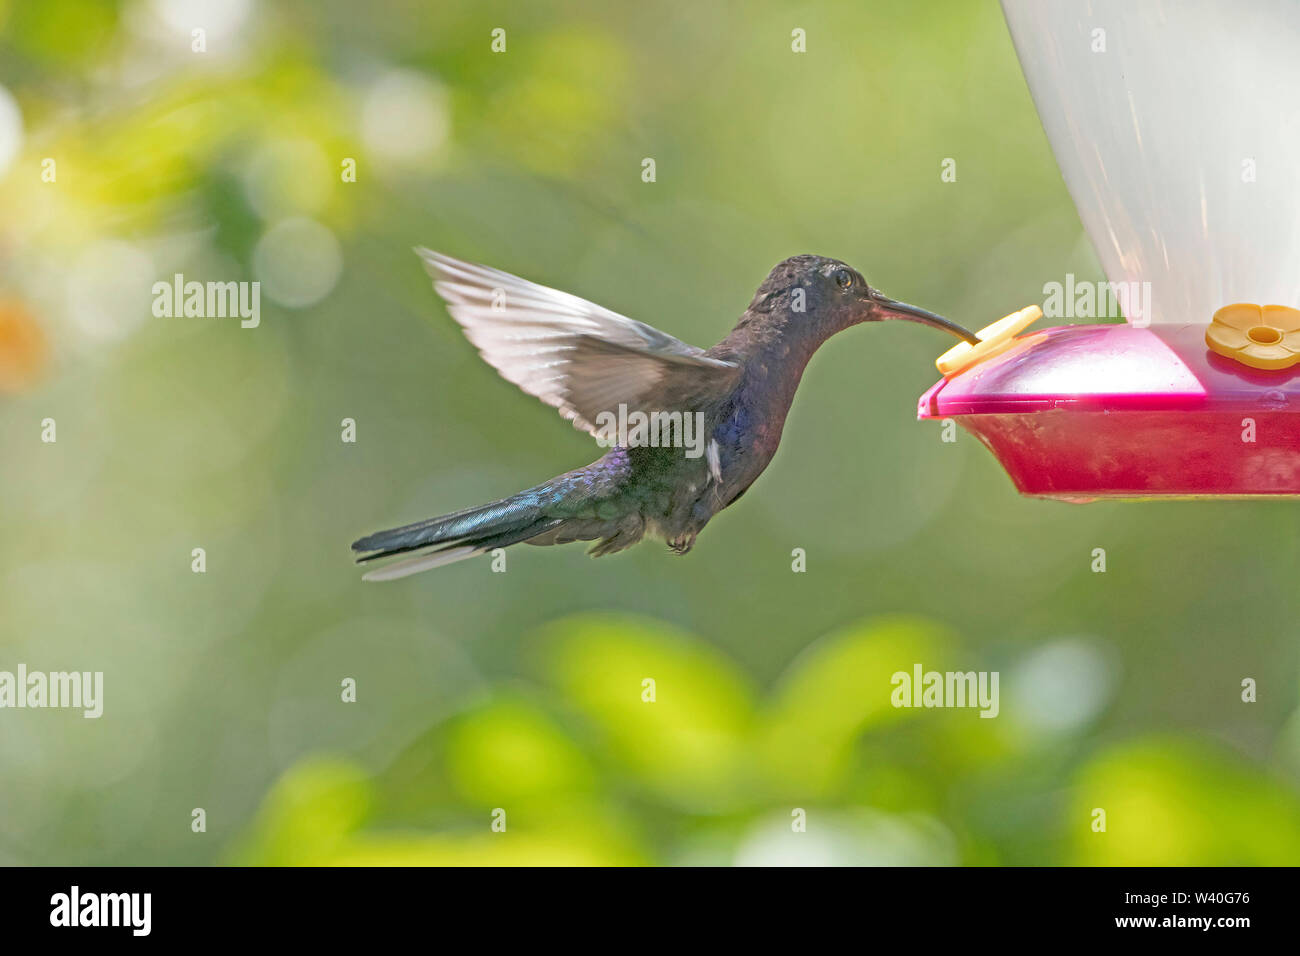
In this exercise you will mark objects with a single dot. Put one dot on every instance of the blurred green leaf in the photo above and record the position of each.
(509, 750)
(1172, 802)
(308, 815)
(689, 743)
(835, 691)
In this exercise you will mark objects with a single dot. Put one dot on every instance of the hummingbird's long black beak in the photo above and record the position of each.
(887, 308)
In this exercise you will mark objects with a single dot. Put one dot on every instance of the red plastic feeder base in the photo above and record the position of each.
(1090, 411)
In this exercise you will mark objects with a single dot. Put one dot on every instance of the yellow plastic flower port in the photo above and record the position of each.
(1261, 336)
(994, 339)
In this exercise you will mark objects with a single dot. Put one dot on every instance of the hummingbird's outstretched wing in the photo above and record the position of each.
(573, 354)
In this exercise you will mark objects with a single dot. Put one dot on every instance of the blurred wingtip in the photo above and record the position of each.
(428, 257)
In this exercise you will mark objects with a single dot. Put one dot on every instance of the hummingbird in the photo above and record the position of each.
(722, 408)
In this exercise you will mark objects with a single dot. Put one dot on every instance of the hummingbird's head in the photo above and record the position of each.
(835, 296)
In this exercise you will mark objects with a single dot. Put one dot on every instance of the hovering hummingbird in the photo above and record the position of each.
(723, 408)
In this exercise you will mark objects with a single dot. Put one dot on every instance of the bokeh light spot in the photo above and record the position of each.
(405, 118)
(108, 290)
(11, 130)
(298, 261)
(1063, 685)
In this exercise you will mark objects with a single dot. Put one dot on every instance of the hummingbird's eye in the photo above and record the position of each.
(843, 278)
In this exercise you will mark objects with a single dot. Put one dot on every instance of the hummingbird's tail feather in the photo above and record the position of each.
(495, 517)
(586, 504)
(459, 551)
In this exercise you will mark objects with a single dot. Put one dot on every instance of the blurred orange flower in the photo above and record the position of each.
(24, 350)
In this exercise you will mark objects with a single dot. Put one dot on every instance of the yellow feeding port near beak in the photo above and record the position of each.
(993, 340)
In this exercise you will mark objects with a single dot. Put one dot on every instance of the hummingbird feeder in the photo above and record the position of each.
(1185, 169)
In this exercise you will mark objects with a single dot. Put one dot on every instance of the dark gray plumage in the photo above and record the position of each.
(588, 361)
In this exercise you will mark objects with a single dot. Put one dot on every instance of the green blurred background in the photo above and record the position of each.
(522, 691)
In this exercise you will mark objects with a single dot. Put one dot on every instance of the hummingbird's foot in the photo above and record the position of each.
(682, 543)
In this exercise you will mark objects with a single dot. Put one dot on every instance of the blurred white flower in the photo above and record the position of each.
(836, 838)
(218, 18)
